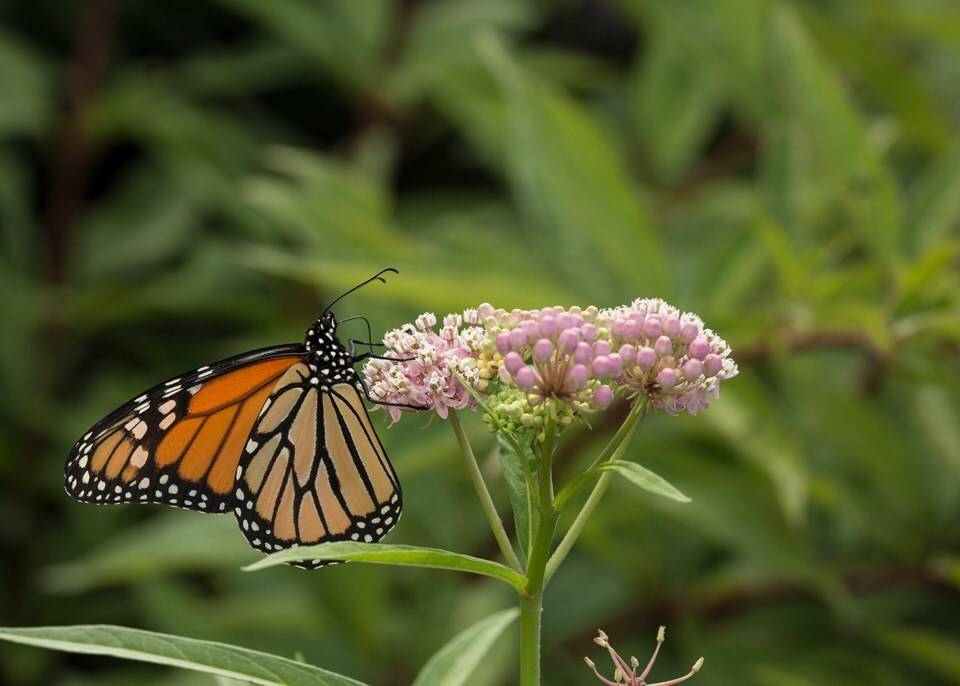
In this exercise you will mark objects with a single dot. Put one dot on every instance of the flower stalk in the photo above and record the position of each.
(614, 451)
(483, 493)
(531, 602)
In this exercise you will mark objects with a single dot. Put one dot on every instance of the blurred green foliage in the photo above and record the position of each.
(788, 170)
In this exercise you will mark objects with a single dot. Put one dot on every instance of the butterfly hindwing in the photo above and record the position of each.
(179, 443)
(313, 469)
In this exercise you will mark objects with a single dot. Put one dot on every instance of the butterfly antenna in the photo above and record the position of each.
(376, 277)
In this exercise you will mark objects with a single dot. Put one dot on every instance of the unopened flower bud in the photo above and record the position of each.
(632, 329)
(600, 366)
(588, 332)
(628, 353)
(568, 339)
(524, 377)
(688, 331)
(712, 364)
(518, 338)
(615, 363)
(646, 357)
(513, 362)
(603, 396)
(531, 329)
(699, 348)
(503, 341)
(667, 378)
(692, 369)
(663, 346)
(548, 325)
(601, 348)
(671, 326)
(583, 353)
(697, 666)
(651, 326)
(588, 662)
(578, 375)
(485, 310)
(542, 349)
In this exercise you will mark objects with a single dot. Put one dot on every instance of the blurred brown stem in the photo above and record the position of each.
(70, 166)
(716, 605)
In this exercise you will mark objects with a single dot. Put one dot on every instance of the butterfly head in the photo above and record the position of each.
(327, 355)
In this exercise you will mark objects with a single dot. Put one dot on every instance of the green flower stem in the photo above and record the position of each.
(637, 410)
(531, 601)
(486, 502)
(614, 450)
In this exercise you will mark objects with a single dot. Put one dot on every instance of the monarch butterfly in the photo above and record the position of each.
(279, 436)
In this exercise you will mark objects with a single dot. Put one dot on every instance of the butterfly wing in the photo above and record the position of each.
(314, 469)
(180, 442)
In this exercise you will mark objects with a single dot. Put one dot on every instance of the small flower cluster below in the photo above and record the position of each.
(580, 357)
(625, 674)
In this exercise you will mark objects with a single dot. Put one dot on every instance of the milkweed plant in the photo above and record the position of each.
(532, 375)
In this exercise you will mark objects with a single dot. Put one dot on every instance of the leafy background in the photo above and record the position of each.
(180, 181)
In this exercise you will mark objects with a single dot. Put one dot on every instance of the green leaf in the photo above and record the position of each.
(644, 478)
(176, 651)
(569, 177)
(933, 652)
(675, 101)
(516, 481)
(565, 494)
(403, 555)
(28, 101)
(824, 139)
(438, 47)
(934, 203)
(453, 664)
(343, 36)
(174, 542)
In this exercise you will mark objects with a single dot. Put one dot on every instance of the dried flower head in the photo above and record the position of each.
(626, 674)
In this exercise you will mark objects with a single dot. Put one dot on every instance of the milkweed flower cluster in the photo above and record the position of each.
(580, 357)
(432, 359)
(668, 355)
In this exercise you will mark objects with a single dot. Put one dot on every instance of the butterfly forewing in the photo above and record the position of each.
(313, 469)
(180, 442)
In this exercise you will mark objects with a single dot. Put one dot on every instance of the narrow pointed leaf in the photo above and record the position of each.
(453, 664)
(223, 660)
(524, 516)
(644, 478)
(403, 555)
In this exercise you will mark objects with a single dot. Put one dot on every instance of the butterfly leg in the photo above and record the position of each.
(366, 394)
(369, 329)
(370, 355)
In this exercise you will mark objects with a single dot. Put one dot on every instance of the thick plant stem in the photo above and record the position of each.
(486, 502)
(613, 451)
(531, 610)
(531, 601)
